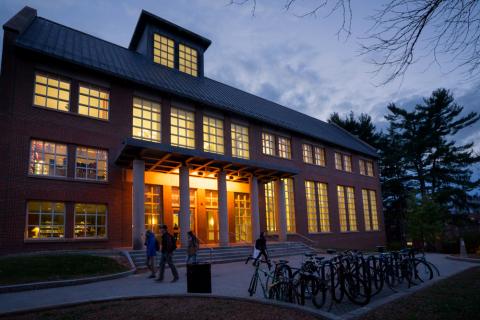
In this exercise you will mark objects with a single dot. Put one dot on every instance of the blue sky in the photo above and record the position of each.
(298, 62)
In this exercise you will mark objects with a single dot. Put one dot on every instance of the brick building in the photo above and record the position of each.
(101, 142)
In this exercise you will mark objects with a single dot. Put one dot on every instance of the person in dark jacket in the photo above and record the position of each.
(151, 244)
(261, 246)
(168, 246)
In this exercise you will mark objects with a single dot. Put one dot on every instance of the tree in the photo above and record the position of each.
(425, 220)
(362, 127)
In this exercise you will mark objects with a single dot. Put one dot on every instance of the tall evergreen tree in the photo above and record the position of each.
(362, 127)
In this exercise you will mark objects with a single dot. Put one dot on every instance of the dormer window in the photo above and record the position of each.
(163, 50)
(187, 60)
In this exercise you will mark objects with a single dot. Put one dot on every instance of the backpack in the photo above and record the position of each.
(171, 243)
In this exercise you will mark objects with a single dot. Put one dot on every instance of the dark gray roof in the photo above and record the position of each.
(53, 39)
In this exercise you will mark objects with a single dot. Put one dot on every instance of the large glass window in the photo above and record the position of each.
(91, 164)
(307, 153)
(146, 120)
(346, 208)
(369, 198)
(93, 102)
(319, 155)
(313, 155)
(343, 162)
(243, 217)
(270, 206)
(366, 167)
(240, 145)
(187, 60)
(48, 159)
(289, 204)
(317, 206)
(45, 219)
(163, 50)
(182, 128)
(284, 149)
(153, 207)
(268, 144)
(90, 220)
(213, 135)
(176, 207)
(51, 92)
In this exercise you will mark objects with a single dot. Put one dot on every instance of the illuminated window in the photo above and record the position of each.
(93, 102)
(51, 92)
(346, 208)
(270, 207)
(313, 155)
(45, 220)
(175, 201)
(319, 154)
(48, 159)
(163, 50)
(187, 60)
(284, 149)
(307, 153)
(343, 162)
(91, 164)
(182, 128)
(289, 204)
(366, 167)
(146, 120)
(369, 198)
(153, 208)
(213, 135)
(317, 206)
(90, 220)
(240, 145)
(243, 217)
(268, 144)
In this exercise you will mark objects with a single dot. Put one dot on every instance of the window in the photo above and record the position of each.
(90, 220)
(91, 164)
(163, 50)
(319, 156)
(346, 208)
(146, 120)
(243, 217)
(284, 150)
(48, 159)
(268, 144)
(343, 162)
(313, 155)
(213, 135)
(93, 102)
(51, 92)
(289, 204)
(307, 153)
(366, 167)
(369, 198)
(270, 206)
(175, 201)
(240, 145)
(153, 207)
(317, 206)
(45, 220)
(182, 128)
(187, 60)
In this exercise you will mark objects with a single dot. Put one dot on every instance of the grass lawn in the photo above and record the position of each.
(49, 267)
(455, 298)
(170, 308)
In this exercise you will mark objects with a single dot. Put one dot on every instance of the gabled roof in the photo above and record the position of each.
(58, 41)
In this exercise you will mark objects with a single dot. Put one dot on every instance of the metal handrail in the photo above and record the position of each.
(305, 238)
(243, 241)
(209, 248)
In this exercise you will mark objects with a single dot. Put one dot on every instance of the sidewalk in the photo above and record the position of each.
(230, 279)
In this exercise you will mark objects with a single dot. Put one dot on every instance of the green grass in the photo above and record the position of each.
(457, 297)
(50, 267)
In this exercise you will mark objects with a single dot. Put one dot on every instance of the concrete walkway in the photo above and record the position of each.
(230, 279)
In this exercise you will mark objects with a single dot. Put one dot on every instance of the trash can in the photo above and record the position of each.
(199, 278)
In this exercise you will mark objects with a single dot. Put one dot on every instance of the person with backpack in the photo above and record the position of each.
(168, 247)
(152, 247)
(261, 248)
(193, 246)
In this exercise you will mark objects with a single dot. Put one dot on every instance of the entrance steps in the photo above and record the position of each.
(226, 254)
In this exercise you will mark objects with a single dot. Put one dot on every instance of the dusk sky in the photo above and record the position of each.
(297, 62)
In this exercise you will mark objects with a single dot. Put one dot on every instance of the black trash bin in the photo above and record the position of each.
(199, 278)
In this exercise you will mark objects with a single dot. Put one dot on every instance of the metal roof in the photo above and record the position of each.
(56, 40)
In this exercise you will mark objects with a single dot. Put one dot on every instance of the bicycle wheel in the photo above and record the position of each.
(320, 295)
(423, 271)
(253, 284)
(282, 291)
(356, 290)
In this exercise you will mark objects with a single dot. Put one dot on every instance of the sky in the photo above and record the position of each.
(298, 62)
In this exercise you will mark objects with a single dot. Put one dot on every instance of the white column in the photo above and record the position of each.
(254, 208)
(223, 208)
(138, 204)
(281, 209)
(184, 214)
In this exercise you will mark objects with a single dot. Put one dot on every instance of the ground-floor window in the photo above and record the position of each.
(317, 206)
(90, 220)
(289, 204)
(176, 209)
(153, 207)
(270, 206)
(45, 219)
(369, 198)
(211, 210)
(346, 208)
(243, 217)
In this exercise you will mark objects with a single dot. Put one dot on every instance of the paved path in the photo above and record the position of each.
(230, 279)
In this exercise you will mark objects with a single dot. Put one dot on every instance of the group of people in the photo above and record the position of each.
(166, 247)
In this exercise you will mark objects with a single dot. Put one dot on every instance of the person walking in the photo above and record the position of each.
(168, 247)
(193, 246)
(152, 245)
(261, 246)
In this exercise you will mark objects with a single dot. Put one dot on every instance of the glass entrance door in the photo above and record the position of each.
(243, 218)
(211, 210)
(176, 210)
(153, 208)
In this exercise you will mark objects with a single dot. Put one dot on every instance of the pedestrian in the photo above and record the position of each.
(168, 247)
(261, 246)
(193, 246)
(152, 245)
(175, 232)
